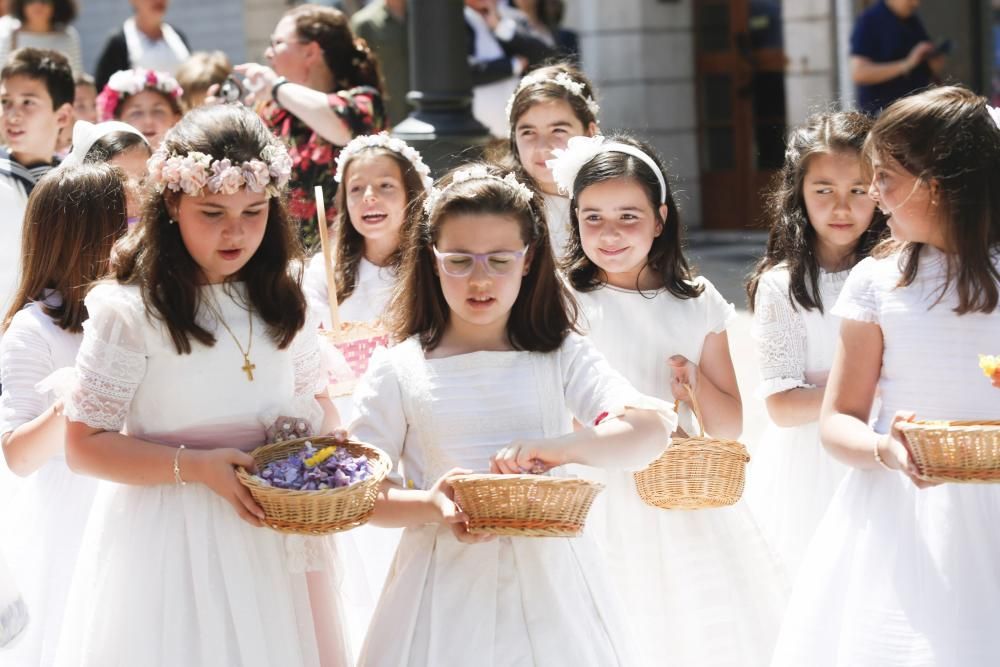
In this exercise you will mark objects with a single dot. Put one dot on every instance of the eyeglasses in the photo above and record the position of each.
(461, 264)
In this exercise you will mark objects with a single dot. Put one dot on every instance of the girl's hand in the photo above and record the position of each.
(442, 497)
(895, 454)
(682, 372)
(288, 428)
(258, 79)
(215, 468)
(529, 456)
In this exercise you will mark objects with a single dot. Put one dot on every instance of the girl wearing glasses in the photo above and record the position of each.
(665, 330)
(487, 374)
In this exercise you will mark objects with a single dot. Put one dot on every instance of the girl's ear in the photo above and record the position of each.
(528, 256)
(172, 202)
(664, 211)
(591, 129)
(935, 189)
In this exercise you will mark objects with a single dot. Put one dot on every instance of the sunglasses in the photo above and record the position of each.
(461, 264)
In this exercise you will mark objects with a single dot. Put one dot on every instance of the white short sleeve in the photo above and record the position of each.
(592, 387)
(25, 360)
(112, 358)
(314, 288)
(780, 336)
(859, 299)
(719, 312)
(310, 371)
(381, 420)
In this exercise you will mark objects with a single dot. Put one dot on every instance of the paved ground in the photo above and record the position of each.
(726, 259)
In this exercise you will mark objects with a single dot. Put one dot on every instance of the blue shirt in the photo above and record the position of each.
(883, 37)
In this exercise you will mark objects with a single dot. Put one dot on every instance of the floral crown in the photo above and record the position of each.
(383, 140)
(561, 79)
(580, 150)
(478, 173)
(195, 171)
(129, 82)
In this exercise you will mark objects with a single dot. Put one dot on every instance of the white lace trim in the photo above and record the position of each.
(780, 335)
(777, 385)
(107, 378)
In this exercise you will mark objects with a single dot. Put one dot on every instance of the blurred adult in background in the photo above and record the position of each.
(199, 73)
(891, 54)
(382, 23)
(144, 40)
(42, 24)
(321, 90)
(501, 48)
(544, 22)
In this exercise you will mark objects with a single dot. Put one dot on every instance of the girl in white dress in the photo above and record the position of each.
(551, 105)
(187, 357)
(701, 587)
(822, 223)
(74, 216)
(899, 574)
(486, 376)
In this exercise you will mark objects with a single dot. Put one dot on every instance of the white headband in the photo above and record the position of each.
(580, 150)
(85, 135)
(478, 172)
(561, 79)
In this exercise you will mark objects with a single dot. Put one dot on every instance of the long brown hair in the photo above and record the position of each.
(666, 256)
(350, 243)
(72, 220)
(792, 239)
(544, 312)
(154, 257)
(947, 136)
(347, 56)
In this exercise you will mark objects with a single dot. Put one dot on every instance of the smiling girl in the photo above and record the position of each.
(486, 376)
(148, 101)
(822, 223)
(550, 106)
(186, 358)
(700, 587)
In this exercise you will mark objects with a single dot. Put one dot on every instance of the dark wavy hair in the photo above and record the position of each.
(347, 56)
(792, 239)
(64, 12)
(350, 243)
(154, 256)
(947, 137)
(666, 256)
(544, 312)
(74, 216)
(113, 144)
(50, 67)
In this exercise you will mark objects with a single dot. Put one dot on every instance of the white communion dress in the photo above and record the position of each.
(791, 477)
(513, 600)
(701, 587)
(44, 521)
(170, 574)
(897, 576)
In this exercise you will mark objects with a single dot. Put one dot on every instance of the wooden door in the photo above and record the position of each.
(740, 83)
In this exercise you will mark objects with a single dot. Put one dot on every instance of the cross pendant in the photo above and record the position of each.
(248, 368)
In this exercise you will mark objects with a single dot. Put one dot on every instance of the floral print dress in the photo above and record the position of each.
(314, 160)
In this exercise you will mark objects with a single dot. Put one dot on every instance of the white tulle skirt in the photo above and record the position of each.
(13, 612)
(170, 575)
(898, 577)
(701, 587)
(46, 521)
(511, 601)
(790, 481)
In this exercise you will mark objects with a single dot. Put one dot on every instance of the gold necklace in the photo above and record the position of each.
(247, 367)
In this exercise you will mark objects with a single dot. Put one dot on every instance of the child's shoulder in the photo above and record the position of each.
(114, 296)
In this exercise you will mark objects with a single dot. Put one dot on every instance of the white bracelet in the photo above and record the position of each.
(177, 467)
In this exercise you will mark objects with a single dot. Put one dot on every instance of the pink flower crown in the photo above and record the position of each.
(126, 83)
(194, 172)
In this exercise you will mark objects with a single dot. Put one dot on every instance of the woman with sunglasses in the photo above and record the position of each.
(321, 90)
(42, 24)
(144, 40)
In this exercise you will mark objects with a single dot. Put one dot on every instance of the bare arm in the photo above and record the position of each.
(32, 444)
(795, 407)
(867, 72)
(715, 386)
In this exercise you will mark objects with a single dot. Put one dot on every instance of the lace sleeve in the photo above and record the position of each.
(780, 336)
(112, 358)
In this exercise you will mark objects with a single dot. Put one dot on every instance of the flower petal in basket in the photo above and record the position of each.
(954, 451)
(356, 342)
(316, 512)
(525, 505)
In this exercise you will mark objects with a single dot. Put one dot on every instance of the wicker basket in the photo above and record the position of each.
(696, 472)
(525, 505)
(356, 341)
(316, 512)
(954, 451)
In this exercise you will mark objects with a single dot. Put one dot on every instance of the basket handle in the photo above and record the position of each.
(328, 254)
(694, 406)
